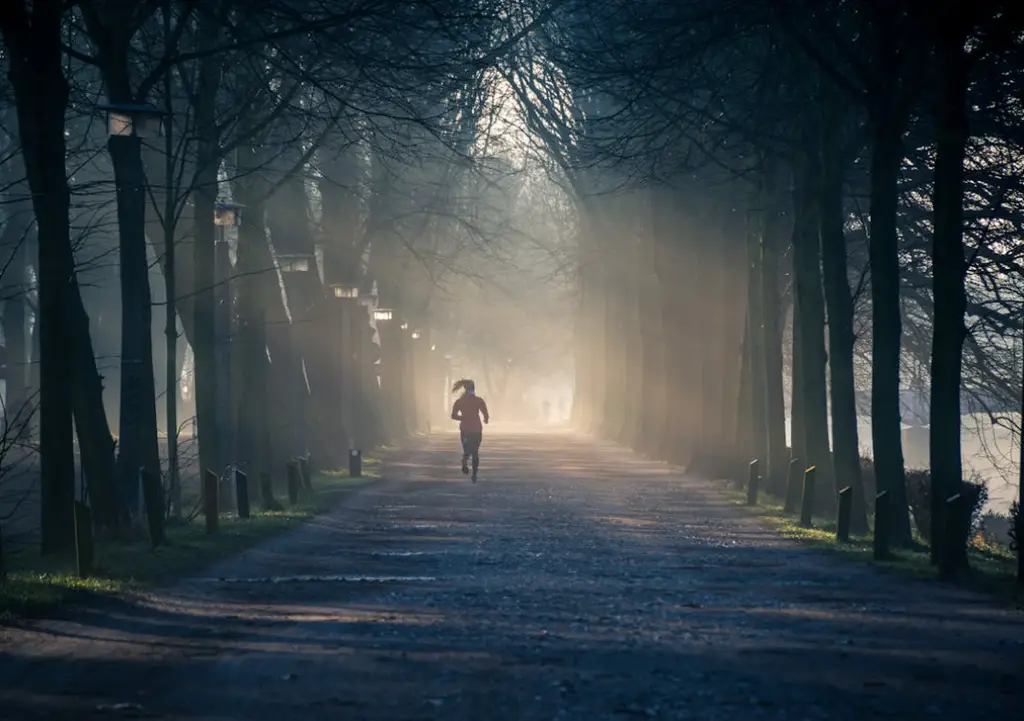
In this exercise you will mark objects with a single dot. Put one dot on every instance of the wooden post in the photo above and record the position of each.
(306, 471)
(793, 485)
(882, 518)
(807, 501)
(843, 519)
(211, 483)
(292, 470)
(153, 494)
(242, 493)
(84, 549)
(954, 540)
(752, 482)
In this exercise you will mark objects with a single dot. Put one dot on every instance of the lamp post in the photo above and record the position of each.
(295, 262)
(127, 125)
(225, 215)
(289, 264)
(349, 359)
(391, 372)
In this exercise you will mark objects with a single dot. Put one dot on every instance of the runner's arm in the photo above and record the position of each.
(483, 409)
(456, 413)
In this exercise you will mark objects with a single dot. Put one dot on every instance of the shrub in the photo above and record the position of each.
(996, 529)
(919, 495)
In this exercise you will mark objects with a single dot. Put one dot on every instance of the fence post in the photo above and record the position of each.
(306, 472)
(882, 517)
(954, 541)
(242, 493)
(793, 485)
(153, 495)
(84, 555)
(211, 486)
(843, 518)
(752, 482)
(807, 500)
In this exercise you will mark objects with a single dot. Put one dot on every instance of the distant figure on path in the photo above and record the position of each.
(467, 410)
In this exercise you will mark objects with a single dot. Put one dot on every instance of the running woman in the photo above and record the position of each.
(467, 410)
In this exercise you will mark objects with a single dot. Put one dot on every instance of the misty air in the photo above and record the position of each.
(519, 360)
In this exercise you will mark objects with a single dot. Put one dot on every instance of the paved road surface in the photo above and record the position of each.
(575, 581)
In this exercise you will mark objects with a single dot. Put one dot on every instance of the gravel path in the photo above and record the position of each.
(574, 581)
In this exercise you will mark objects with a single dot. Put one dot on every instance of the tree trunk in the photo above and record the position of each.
(633, 347)
(138, 447)
(745, 403)
(886, 327)
(845, 440)
(949, 269)
(259, 301)
(41, 93)
(17, 238)
(797, 413)
(755, 356)
(777, 465)
(808, 287)
(614, 380)
(654, 386)
(204, 199)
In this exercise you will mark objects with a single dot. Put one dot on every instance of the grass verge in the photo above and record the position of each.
(39, 586)
(992, 568)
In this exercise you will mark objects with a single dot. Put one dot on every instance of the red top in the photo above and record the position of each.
(468, 409)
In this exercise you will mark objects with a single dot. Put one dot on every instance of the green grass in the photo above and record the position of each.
(992, 568)
(37, 586)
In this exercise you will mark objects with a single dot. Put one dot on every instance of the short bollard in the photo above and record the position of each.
(882, 517)
(807, 500)
(306, 472)
(954, 550)
(793, 485)
(211, 483)
(845, 513)
(153, 494)
(242, 493)
(355, 463)
(292, 470)
(83, 540)
(752, 482)
(267, 493)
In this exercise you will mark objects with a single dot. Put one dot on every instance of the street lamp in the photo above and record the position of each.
(294, 262)
(344, 290)
(227, 214)
(415, 335)
(404, 326)
(125, 120)
(382, 314)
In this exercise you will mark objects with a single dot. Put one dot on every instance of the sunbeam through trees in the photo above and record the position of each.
(245, 238)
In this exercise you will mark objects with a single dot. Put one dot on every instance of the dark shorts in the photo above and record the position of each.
(471, 442)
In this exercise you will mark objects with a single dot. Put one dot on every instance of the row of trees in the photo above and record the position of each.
(852, 166)
(343, 136)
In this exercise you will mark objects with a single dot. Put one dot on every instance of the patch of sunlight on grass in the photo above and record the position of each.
(37, 585)
(992, 568)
